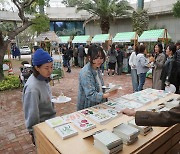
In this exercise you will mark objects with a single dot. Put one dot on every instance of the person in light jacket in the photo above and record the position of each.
(158, 60)
(37, 94)
(90, 91)
(142, 66)
(133, 63)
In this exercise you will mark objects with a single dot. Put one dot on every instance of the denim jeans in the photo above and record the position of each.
(119, 68)
(135, 79)
(142, 78)
(81, 61)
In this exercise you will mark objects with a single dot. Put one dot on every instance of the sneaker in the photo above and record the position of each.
(113, 74)
(108, 74)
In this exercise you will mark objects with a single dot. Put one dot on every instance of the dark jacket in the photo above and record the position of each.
(163, 118)
(177, 57)
(169, 71)
(120, 56)
(67, 54)
(81, 51)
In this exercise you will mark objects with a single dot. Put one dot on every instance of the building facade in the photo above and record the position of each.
(67, 21)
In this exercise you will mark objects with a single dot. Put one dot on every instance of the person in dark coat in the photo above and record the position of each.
(81, 55)
(148, 118)
(177, 60)
(67, 58)
(120, 56)
(169, 72)
(16, 52)
(75, 56)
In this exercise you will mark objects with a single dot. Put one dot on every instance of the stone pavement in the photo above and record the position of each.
(14, 138)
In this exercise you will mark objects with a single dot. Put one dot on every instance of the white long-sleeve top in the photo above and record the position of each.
(133, 60)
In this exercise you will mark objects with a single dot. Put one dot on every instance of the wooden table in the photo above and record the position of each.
(160, 140)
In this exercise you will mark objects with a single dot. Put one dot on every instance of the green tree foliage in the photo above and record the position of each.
(40, 23)
(8, 32)
(140, 20)
(37, 7)
(104, 10)
(176, 9)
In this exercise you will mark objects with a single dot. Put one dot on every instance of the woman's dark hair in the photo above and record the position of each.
(113, 48)
(136, 49)
(172, 48)
(160, 47)
(35, 72)
(142, 48)
(94, 52)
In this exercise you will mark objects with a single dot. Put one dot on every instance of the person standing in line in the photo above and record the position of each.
(90, 91)
(71, 55)
(142, 66)
(177, 59)
(120, 56)
(169, 71)
(75, 56)
(102, 67)
(81, 55)
(112, 54)
(158, 62)
(64, 50)
(67, 58)
(133, 63)
(129, 51)
(37, 94)
(86, 59)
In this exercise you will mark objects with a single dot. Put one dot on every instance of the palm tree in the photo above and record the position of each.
(105, 10)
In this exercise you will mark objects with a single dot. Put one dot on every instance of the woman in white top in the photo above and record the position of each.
(133, 63)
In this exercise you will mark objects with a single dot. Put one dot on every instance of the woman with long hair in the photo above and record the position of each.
(158, 60)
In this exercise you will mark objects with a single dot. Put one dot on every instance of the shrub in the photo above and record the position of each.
(9, 82)
(6, 61)
(57, 71)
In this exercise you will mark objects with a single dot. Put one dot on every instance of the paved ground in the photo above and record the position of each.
(14, 138)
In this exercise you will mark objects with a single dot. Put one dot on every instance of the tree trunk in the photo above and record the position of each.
(3, 49)
(105, 25)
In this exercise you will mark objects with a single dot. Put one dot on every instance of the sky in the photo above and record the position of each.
(53, 3)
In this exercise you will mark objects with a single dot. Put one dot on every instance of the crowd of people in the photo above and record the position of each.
(37, 95)
(115, 57)
(164, 65)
